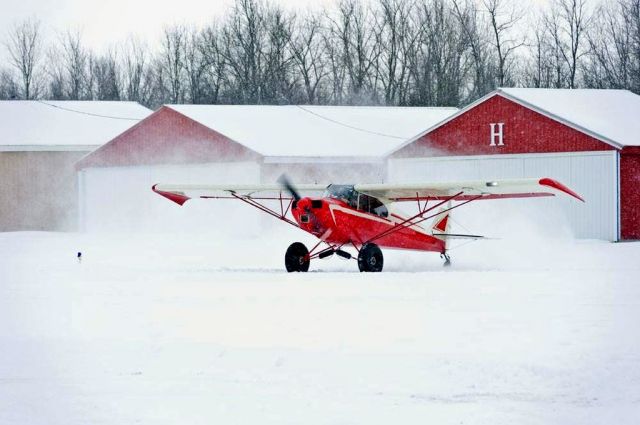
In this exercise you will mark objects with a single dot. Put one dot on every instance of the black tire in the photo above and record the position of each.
(296, 258)
(370, 258)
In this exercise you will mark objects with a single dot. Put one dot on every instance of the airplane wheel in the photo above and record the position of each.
(296, 259)
(370, 258)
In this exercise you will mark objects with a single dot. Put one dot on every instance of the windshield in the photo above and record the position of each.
(344, 193)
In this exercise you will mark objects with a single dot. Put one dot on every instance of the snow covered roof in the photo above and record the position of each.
(316, 131)
(609, 115)
(64, 125)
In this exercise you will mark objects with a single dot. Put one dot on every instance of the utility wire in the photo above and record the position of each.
(88, 113)
(350, 126)
(304, 109)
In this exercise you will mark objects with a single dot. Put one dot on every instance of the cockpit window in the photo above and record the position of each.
(372, 205)
(344, 193)
(359, 201)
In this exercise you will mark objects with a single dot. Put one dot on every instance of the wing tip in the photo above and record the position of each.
(177, 197)
(546, 181)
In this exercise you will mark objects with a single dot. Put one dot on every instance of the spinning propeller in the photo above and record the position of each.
(288, 186)
(305, 204)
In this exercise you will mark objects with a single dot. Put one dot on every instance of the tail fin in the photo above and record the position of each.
(440, 227)
(440, 223)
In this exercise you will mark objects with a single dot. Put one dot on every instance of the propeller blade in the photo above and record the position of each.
(288, 186)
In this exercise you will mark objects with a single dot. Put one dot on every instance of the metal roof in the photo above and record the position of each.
(315, 131)
(64, 125)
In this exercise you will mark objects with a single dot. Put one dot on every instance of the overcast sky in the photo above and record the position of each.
(104, 23)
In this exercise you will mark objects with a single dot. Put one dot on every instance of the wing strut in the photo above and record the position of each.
(263, 208)
(409, 221)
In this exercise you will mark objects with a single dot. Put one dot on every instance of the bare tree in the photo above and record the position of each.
(353, 34)
(25, 52)
(214, 63)
(105, 79)
(392, 33)
(56, 73)
(135, 72)
(244, 36)
(614, 47)
(171, 61)
(503, 16)
(475, 34)
(279, 79)
(337, 73)
(392, 52)
(75, 62)
(567, 22)
(539, 71)
(556, 50)
(438, 58)
(194, 65)
(8, 87)
(309, 53)
(631, 8)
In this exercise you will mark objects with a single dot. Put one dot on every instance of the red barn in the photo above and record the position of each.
(236, 144)
(588, 139)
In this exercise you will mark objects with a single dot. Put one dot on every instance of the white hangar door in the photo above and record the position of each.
(592, 174)
(120, 199)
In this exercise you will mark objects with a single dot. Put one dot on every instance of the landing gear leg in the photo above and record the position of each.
(447, 259)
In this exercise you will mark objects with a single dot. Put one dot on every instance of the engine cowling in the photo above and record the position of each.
(311, 215)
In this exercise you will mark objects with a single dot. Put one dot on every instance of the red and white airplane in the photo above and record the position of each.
(358, 216)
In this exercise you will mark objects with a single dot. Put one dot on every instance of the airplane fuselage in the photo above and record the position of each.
(336, 222)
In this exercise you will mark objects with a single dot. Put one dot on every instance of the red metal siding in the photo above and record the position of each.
(167, 137)
(630, 195)
(524, 131)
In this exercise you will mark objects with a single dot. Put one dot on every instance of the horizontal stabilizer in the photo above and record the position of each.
(458, 236)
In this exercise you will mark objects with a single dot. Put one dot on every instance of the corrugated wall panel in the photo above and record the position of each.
(120, 198)
(593, 175)
(38, 191)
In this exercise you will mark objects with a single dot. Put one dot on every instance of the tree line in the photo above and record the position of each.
(380, 52)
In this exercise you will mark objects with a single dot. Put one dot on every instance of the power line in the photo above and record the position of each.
(88, 113)
(351, 126)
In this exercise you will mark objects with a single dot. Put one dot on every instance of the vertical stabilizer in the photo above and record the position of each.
(441, 224)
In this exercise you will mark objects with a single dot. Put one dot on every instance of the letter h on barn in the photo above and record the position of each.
(496, 134)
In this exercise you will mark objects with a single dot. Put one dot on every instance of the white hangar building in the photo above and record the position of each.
(39, 145)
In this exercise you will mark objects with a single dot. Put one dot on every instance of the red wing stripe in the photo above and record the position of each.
(559, 186)
(178, 198)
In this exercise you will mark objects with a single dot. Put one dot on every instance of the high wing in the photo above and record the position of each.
(181, 193)
(467, 190)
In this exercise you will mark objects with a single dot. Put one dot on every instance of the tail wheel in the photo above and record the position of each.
(370, 258)
(296, 258)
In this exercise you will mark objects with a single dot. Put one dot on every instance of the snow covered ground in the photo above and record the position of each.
(169, 329)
